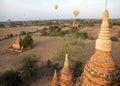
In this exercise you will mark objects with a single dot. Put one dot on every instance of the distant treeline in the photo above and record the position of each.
(82, 22)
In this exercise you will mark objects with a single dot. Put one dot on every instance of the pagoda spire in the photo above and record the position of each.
(66, 63)
(66, 75)
(101, 69)
(55, 79)
(103, 42)
(106, 4)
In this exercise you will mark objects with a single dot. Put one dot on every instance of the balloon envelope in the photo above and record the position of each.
(56, 7)
(75, 12)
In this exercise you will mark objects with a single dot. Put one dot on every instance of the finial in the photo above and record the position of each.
(66, 57)
(55, 75)
(55, 79)
(106, 5)
(66, 63)
(55, 72)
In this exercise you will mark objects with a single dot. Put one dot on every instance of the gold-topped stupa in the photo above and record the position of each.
(101, 69)
(66, 74)
(17, 43)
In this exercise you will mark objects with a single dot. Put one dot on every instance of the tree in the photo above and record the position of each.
(10, 78)
(27, 41)
(78, 68)
(49, 63)
(2, 25)
(73, 29)
(118, 33)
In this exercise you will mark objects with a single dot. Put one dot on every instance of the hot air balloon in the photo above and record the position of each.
(75, 12)
(56, 7)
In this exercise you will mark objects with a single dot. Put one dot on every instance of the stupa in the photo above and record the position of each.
(54, 22)
(55, 79)
(17, 43)
(66, 74)
(75, 24)
(101, 69)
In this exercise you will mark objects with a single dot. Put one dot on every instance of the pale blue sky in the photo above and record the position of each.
(44, 9)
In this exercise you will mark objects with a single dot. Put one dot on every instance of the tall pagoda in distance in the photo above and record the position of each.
(101, 69)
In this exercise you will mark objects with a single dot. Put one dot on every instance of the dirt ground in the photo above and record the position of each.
(45, 47)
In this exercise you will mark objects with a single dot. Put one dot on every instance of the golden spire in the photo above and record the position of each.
(55, 79)
(66, 63)
(103, 42)
(66, 75)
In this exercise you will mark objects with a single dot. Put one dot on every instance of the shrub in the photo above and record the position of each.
(114, 38)
(90, 24)
(10, 78)
(73, 29)
(45, 28)
(53, 28)
(23, 33)
(60, 33)
(82, 35)
(29, 66)
(44, 33)
(5, 37)
(91, 38)
(119, 33)
(9, 35)
(78, 68)
(27, 41)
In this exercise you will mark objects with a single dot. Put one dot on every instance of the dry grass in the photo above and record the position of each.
(46, 47)
(5, 31)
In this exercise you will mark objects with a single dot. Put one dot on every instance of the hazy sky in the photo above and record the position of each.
(44, 9)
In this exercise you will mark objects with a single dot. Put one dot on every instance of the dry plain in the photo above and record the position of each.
(45, 47)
